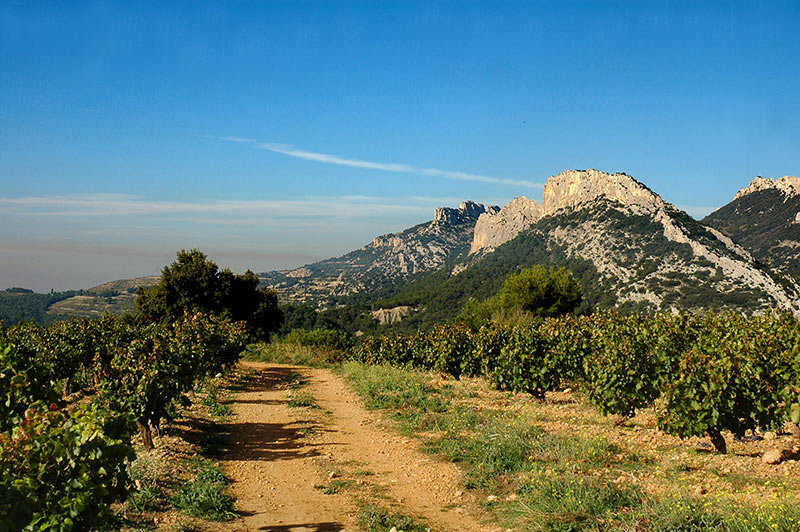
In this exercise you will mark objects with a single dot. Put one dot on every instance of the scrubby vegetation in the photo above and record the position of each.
(703, 374)
(76, 392)
(528, 477)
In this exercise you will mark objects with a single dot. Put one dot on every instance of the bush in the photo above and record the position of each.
(61, 470)
(23, 384)
(570, 342)
(620, 370)
(541, 292)
(527, 364)
(319, 338)
(486, 345)
(731, 378)
(448, 346)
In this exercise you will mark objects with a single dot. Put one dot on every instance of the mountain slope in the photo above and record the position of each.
(386, 261)
(765, 219)
(626, 245)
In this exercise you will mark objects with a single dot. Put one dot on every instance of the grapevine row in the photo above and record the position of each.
(64, 461)
(703, 374)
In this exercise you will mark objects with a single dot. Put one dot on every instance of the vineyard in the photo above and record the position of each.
(703, 375)
(76, 393)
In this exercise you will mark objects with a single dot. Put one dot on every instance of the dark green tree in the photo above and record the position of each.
(541, 291)
(536, 291)
(194, 283)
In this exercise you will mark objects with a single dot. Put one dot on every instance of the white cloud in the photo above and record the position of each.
(334, 159)
(241, 140)
(326, 158)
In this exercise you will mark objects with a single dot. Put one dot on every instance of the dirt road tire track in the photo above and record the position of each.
(275, 467)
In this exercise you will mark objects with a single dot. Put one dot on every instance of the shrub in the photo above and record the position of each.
(527, 364)
(486, 345)
(61, 470)
(620, 370)
(731, 378)
(320, 338)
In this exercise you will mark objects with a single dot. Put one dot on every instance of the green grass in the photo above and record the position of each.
(404, 393)
(217, 403)
(146, 499)
(302, 400)
(691, 514)
(333, 487)
(545, 481)
(206, 496)
(570, 502)
(374, 518)
(282, 352)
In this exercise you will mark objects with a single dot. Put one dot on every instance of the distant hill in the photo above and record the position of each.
(765, 219)
(20, 305)
(115, 297)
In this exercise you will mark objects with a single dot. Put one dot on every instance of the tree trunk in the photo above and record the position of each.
(65, 390)
(147, 435)
(717, 441)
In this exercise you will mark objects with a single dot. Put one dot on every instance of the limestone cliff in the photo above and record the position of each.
(574, 187)
(493, 228)
(568, 189)
(788, 185)
(579, 206)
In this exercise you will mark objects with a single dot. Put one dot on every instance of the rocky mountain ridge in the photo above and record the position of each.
(764, 218)
(387, 259)
(710, 253)
(568, 189)
(788, 185)
(643, 252)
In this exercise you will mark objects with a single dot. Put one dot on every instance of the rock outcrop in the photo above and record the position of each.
(763, 218)
(565, 190)
(577, 209)
(387, 259)
(789, 185)
(499, 226)
(385, 316)
(630, 247)
(467, 212)
(574, 187)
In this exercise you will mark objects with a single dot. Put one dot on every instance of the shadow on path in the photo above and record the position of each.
(313, 527)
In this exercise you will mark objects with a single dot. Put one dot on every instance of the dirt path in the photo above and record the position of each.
(279, 454)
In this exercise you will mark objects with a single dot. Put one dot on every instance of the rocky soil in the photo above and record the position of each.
(310, 468)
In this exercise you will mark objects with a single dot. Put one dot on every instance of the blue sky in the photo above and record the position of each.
(272, 134)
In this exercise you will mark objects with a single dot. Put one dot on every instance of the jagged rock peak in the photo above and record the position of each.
(789, 185)
(495, 228)
(573, 187)
(468, 211)
(567, 189)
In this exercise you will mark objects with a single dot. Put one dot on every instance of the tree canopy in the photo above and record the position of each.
(195, 283)
(541, 292)
(536, 291)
